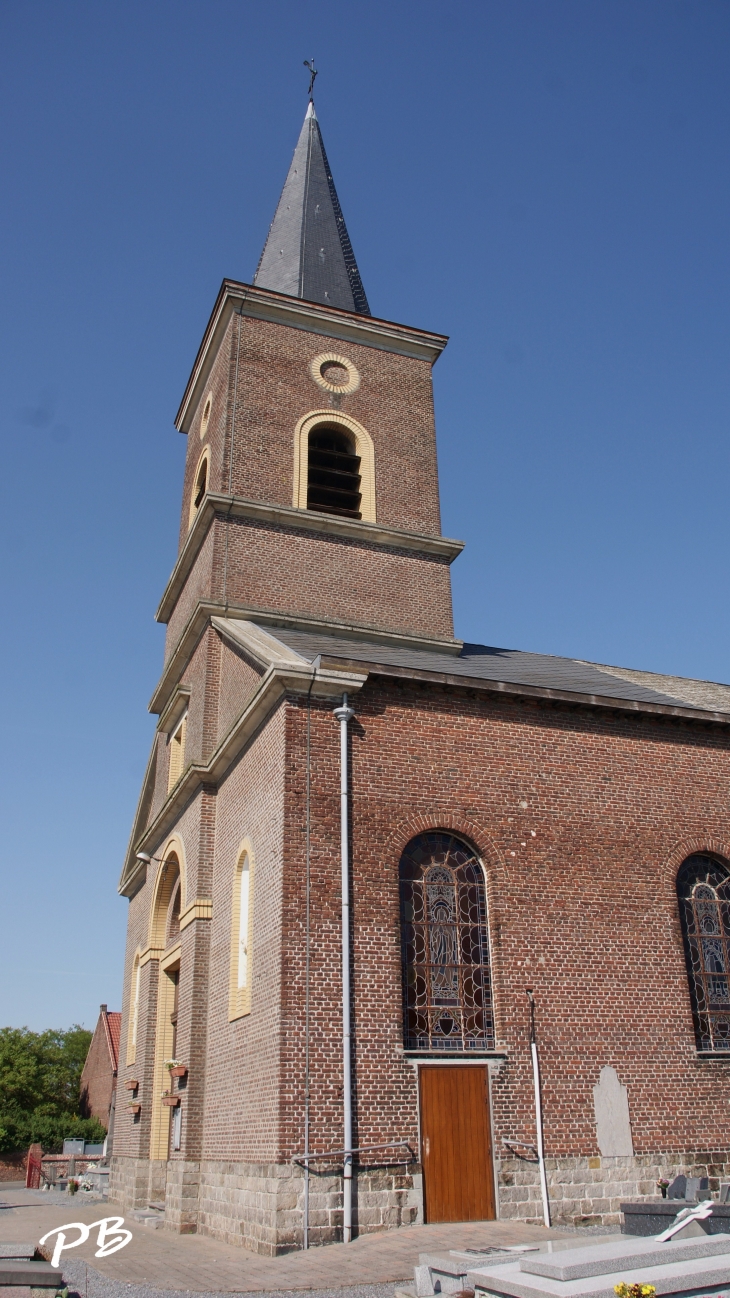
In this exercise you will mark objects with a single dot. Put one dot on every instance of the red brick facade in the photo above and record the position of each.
(581, 814)
(99, 1074)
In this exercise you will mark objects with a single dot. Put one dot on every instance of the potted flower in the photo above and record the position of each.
(663, 1186)
(175, 1068)
(634, 1290)
(134, 1107)
(171, 1101)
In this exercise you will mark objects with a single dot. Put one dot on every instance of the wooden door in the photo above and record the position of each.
(456, 1143)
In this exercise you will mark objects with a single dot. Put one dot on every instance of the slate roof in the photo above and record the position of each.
(308, 253)
(514, 667)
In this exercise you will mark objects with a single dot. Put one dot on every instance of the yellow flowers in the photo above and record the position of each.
(634, 1290)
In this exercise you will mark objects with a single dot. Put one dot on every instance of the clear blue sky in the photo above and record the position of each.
(546, 182)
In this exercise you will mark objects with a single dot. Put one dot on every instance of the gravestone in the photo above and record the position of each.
(613, 1124)
(687, 1187)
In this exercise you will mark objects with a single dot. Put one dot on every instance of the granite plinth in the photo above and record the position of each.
(581, 1263)
(445, 1273)
(654, 1215)
(693, 1268)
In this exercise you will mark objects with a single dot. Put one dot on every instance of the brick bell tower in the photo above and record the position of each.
(311, 489)
(311, 506)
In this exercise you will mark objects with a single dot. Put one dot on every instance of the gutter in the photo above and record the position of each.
(480, 684)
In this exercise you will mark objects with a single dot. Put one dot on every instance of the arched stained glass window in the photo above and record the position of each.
(447, 990)
(703, 888)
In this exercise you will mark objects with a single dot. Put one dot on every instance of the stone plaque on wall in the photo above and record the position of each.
(613, 1125)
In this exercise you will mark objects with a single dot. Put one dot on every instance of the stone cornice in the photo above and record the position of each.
(206, 610)
(280, 679)
(262, 304)
(179, 700)
(302, 520)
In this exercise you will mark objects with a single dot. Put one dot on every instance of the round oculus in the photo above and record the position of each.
(333, 373)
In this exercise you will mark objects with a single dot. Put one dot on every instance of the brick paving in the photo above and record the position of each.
(161, 1259)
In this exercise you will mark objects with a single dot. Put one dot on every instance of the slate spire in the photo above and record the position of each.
(308, 253)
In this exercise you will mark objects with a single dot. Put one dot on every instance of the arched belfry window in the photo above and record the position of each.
(703, 888)
(200, 485)
(447, 994)
(333, 472)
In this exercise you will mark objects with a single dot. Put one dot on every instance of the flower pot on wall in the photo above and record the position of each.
(134, 1108)
(171, 1101)
(179, 1071)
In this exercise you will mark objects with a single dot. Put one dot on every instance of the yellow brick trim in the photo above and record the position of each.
(239, 998)
(171, 957)
(160, 1125)
(364, 447)
(204, 460)
(133, 1011)
(317, 365)
(150, 953)
(172, 862)
(201, 908)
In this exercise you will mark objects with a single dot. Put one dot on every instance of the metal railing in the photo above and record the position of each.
(303, 1159)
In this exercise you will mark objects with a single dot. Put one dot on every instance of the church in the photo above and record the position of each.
(418, 930)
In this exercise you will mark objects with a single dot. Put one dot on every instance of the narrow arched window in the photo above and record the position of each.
(703, 889)
(200, 486)
(133, 1012)
(333, 472)
(447, 994)
(241, 967)
(243, 899)
(173, 915)
(201, 483)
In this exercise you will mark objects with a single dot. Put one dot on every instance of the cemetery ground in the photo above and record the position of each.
(158, 1261)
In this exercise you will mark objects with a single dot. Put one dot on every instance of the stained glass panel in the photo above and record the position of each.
(446, 983)
(703, 887)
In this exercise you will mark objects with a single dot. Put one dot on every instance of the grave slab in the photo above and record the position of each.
(581, 1263)
(684, 1269)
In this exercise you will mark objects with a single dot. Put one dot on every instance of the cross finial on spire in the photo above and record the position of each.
(313, 74)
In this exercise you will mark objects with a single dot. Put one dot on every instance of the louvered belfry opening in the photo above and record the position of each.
(201, 484)
(333, 475)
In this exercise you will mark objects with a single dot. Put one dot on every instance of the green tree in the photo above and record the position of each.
(40, 1076)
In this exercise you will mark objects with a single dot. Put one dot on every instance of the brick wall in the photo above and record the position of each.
(394, 402)
(243, 1056)
(581, 817)
(97, 1078)
(261, 383)
(238, 680)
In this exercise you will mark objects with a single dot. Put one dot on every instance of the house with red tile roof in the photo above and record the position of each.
(99, 1074)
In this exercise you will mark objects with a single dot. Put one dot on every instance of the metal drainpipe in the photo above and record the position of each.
(538, 1110)
(344, 714)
